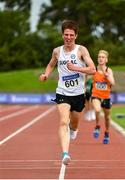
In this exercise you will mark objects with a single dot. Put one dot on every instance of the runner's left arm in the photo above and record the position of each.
(110, 77)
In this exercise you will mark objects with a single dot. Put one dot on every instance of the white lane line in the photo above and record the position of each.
(118, 128)
(28, 125)
(18, 113)
(62, 172)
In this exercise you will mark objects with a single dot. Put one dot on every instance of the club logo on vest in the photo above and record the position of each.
(73, 56)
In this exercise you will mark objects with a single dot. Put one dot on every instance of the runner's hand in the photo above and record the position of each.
(43, 77)
(106, 74)
(70, 66)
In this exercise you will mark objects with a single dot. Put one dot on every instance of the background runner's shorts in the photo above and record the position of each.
(105, 103)
(77, 103)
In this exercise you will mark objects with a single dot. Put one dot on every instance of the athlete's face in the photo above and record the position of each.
(102, 58)
(69, 37)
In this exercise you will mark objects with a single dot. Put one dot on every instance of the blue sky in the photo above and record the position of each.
(35, 10)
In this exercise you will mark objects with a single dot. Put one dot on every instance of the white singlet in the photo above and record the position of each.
(71, 83)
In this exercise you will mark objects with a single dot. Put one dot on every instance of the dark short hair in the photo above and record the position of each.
(70, 24)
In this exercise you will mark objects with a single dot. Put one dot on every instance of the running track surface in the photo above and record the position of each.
(30, 147)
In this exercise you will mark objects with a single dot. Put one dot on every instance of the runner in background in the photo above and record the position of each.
(103, 79)
(89, 112)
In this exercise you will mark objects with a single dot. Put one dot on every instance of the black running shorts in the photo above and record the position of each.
(77, 103)
(105, 103)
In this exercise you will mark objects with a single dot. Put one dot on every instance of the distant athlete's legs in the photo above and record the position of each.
(64, 113)
(107, 124)
(97, 107)
(107, 118)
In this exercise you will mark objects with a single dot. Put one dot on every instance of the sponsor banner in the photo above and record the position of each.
(4, 97)
(113, 98)
(26, 98)
(121, 97)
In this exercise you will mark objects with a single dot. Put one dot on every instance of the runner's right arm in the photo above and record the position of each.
(50, 66)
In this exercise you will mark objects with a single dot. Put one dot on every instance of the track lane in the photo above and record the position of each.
(35, 153)
(16, 119)
(39, 153)
(94, 160)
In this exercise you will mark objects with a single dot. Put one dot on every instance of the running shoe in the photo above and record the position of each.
(106, 138)
(93, 115)
(73, 134)
(88, 116)
(66, 158)
(96, 132)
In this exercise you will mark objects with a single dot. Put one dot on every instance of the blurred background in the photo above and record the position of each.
(30, 29)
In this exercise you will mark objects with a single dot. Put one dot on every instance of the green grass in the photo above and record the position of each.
(28, 81)
(25, 81)
(118, 110)
(118, 68)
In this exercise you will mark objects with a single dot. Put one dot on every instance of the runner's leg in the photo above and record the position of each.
(107, 118)
(97, 107)
(64, 112)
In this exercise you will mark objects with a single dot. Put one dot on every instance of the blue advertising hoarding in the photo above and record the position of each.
(26, 98)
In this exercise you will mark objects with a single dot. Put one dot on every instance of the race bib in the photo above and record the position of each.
(101, 85)
(71, 80)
